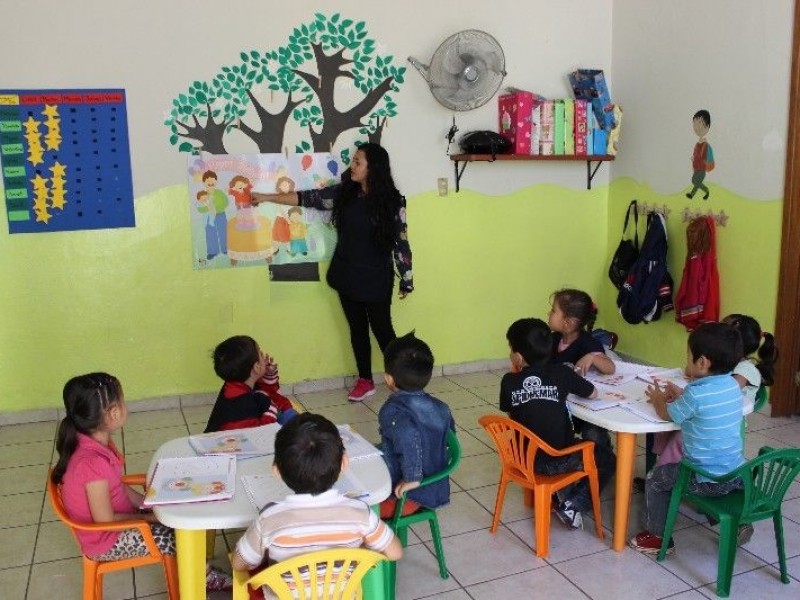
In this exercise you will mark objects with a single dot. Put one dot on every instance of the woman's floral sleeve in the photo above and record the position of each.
(402, 250)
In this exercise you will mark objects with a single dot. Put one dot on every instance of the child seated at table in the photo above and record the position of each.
(251, 394)
(535, 396)
(309, 455)
(709, 412)
(572, 317)
(413, 426)
(89, 471)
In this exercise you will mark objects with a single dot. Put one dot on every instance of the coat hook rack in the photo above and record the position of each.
(647, 209)
(721, 218)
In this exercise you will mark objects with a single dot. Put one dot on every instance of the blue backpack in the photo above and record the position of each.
(647, 290)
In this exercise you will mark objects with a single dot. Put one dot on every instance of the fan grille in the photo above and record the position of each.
(466, 70)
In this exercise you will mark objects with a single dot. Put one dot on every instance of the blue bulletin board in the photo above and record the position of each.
(65, 159)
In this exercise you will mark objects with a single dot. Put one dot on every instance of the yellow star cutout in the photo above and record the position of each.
(58, 200)
(50, 110)
(39, 182)
(58, 170)
(32, 126)
(42, 216)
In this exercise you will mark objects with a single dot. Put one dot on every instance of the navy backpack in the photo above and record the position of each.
(647, 290)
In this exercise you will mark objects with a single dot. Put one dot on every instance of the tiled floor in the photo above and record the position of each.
(39, 559)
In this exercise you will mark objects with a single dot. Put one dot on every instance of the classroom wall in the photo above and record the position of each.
(128, 301)
(671, 59)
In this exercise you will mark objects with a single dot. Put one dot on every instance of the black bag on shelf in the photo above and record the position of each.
(484, 142)
(628, 250)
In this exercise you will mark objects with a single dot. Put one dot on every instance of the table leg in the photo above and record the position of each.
(191, 545)
(626, 446)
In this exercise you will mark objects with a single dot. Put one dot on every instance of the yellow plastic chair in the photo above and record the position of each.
(93, 570)
(334, 574)
(517, 447)
(400, 523)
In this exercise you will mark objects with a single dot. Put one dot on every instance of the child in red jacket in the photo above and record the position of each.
(250, 395)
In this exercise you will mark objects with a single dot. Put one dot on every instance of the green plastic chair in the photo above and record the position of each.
(766, 479)
(760, 400)
(401, 523)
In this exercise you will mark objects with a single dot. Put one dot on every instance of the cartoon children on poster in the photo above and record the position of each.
(703, 155)
(233, 229)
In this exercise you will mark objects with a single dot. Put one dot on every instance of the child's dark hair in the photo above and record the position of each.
(532, 339)
(577, 305)
(234, 358)
(409, 361)
(86, 399)
(704, 116)
(752, 337)
(720, 343)
(308, 454)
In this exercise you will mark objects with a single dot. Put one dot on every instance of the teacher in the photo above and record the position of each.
(369, 215)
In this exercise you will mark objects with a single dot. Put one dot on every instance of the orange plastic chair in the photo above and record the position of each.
(517, 448)
(94, 570)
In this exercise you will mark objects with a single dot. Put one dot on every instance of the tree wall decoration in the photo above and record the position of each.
(305, 71)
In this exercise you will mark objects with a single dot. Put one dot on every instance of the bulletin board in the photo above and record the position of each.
(66, 160)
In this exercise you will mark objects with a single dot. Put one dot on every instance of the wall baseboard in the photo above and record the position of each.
(307, 386)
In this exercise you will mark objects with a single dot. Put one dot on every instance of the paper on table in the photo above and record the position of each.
(254, 441)
(643, 409)
(662, 376)
(192, 479)
(613, 380)
(265, 489)
(355, 445)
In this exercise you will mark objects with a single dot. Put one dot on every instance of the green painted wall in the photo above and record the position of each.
(748, 250)
(127, 300)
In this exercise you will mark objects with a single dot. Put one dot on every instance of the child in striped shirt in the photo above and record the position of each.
(309, 455)
(709, 412)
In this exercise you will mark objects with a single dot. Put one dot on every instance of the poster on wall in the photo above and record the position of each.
(66, 160)
(230, 230)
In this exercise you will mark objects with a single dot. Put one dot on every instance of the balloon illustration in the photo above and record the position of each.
(333, 167)
(306, 162)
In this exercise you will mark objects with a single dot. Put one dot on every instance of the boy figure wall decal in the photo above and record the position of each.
(703, 155)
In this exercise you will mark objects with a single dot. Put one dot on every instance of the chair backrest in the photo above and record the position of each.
(516, 444)
(328, 574)
(761, 398)
(453, 459)
(766, 479)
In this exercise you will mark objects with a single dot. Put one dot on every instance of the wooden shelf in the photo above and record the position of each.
(588, 159)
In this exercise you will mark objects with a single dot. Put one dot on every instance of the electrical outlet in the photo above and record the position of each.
(441, 184)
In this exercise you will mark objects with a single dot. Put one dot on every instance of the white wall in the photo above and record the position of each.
(731, 57)
(154, 49)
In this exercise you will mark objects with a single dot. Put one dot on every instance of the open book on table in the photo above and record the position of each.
(192, 479)
(267, 488)
(606, 398)
(255, 441)
(662, 376)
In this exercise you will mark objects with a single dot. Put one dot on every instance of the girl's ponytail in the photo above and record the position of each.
(86, 398)
(767, 355)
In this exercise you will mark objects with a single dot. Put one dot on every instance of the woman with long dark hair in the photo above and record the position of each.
(369, 214)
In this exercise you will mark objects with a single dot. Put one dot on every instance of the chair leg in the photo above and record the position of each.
(728, 529)
(437, 544)
(498, 504)
(171, 572)
(90, 580)
(777, 521)
(541, 519)
(594, 488)
(669, 525)
(402, 534)
(527, 497)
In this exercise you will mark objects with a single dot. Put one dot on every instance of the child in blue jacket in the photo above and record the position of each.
(413, 426)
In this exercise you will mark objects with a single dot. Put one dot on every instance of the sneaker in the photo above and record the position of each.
(744, 534)
(217, 580)
(363, 389)
(570, 517)
(648, 543)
